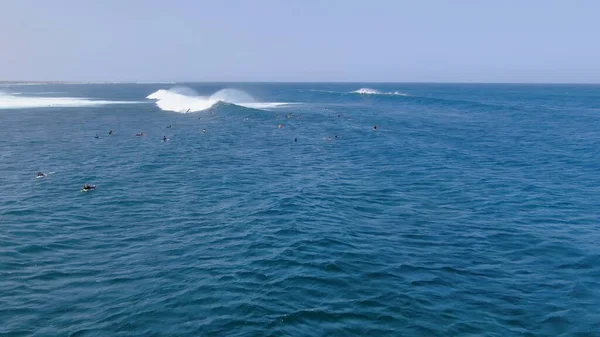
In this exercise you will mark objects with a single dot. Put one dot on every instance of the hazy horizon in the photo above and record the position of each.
(383, 41)
(292, 82)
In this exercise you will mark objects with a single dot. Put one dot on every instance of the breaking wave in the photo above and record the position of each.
(369, 91)
(12, 101)
(187, 100)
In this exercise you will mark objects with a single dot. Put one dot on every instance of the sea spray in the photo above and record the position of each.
(184, 100)
(369, 91)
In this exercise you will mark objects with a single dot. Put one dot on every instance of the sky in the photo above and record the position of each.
(306, 40)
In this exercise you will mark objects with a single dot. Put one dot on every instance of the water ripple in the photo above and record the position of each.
(472, 211)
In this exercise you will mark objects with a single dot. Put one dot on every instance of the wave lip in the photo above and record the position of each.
(185, 100)
(369, 91)
(12, 101)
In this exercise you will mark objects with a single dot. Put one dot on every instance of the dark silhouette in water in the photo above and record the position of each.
(96, 136)
(295, 140)
(88, 187)
(374, 127)
(168, 127)
(110, 132)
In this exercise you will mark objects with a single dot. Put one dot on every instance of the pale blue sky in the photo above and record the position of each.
(303, 40)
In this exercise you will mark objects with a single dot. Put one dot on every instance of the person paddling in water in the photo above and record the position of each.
(40, 174)
(141, 134)
(110, 132)
(88, 187)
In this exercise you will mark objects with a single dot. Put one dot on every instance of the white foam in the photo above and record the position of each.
(184, 100)
(8, 101)
(369, 91)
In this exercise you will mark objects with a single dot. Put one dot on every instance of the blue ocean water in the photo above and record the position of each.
(472, 210)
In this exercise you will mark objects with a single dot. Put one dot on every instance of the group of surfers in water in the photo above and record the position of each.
(88, 187)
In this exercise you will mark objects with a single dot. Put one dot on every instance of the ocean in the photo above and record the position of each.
(280, 210)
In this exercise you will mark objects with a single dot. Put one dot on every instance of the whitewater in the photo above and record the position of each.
(18, 101)
(186, 100)
(362, 91)
(369, 91)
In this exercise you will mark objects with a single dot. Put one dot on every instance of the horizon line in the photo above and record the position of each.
(295, 82)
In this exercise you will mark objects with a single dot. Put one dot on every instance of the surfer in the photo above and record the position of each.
(374, 127)
(295, 140)
(165, 138)
(203, 131)
(40, 174)
(110, 132)
(168, 127)
(188, 110)
(96, 136)
(88, 187)
(280, 126)
(141, 134)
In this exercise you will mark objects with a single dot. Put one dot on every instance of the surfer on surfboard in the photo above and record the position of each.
(88, 187)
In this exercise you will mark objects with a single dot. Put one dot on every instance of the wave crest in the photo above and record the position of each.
(369, 91)
(12, 101)
(182, 99)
